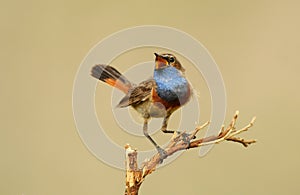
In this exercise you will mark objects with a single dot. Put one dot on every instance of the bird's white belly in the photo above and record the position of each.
(148, 109)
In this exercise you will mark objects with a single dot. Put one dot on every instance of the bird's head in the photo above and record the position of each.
(165, 60)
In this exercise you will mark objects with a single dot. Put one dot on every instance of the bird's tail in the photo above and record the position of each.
(112, 77)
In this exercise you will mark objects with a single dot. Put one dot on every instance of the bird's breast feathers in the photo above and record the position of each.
(171, 87)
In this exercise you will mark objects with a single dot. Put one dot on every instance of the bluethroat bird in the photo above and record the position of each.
(157, 97)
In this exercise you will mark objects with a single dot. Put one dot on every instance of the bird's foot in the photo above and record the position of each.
(162, 153)
(186, 137)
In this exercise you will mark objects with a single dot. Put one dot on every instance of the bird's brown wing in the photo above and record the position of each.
(138, 94)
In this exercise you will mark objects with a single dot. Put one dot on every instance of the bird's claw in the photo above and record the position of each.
(186, 138)
(162, 154)
(186, 135)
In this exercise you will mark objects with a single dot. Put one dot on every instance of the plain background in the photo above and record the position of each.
(255, 44)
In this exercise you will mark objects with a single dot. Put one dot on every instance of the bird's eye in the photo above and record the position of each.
(171, 59)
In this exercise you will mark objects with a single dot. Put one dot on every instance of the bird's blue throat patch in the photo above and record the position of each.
(171, 85)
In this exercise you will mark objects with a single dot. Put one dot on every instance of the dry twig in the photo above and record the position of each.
(135, 176)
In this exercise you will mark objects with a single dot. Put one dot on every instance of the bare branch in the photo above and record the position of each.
(182, 141)
(133, 174)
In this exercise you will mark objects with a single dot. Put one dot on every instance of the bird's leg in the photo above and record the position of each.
(164, 126)
(161, 151)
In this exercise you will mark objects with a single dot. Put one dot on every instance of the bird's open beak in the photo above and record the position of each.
(160, 61)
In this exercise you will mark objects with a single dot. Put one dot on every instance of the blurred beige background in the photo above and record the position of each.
(255, 44)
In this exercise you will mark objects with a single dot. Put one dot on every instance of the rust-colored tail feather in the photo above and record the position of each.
(111, 76)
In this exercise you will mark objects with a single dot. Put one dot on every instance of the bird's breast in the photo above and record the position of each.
(171, 87)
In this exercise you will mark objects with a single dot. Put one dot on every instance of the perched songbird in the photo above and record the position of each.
(157, 97)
